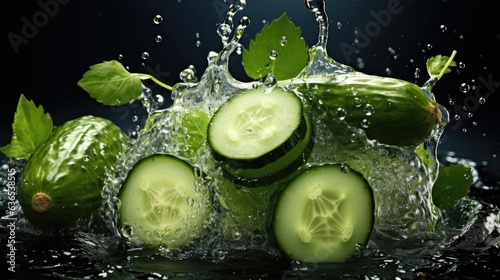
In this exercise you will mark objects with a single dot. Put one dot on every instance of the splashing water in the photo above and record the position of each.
(406, 220)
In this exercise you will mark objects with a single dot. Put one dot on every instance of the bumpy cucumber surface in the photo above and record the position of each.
(161, 204)
(324, 214)
(260, 136)
(63, 179)
(392, 111)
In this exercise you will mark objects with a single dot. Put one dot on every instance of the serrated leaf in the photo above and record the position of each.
(437, 65)
(111, 84)
(453, 183)
(30, 129)
(278, 49)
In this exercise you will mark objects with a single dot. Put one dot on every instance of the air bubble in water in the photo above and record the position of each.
(157, 19)
(145, 55)
(464, 87)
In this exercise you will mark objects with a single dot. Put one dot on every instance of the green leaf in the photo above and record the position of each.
(196, 124)
(452, 184)
(426, 157)
(439, 65)
(111, 84)
(278, 49)
(30, 129)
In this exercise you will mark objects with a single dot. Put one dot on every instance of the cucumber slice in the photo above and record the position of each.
(160, 203)
(324, 214)
(259, 136)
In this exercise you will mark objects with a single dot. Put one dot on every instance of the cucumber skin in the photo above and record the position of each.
(59, 169)
(404, 114)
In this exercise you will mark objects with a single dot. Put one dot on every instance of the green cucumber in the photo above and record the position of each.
(63, 179)
(392, 111)
(324, 214)
(245, 210)
(161, 202)
(260, 137)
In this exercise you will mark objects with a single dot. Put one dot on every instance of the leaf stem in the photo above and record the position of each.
(447, 64)
(158, 82)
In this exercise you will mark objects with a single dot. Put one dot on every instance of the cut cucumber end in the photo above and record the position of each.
(160, 203)
(41, 202)
(324, 214)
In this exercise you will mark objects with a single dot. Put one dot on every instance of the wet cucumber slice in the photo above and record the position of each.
(260, 136)
(324, 214)
(160, 203)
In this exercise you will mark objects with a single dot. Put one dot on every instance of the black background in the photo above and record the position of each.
(71, 35)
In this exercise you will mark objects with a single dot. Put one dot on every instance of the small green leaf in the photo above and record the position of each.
(196, 124)
(439, 65)
(30, 129)
(452, 184)
(111, 84)
(278, 49)
(426, 157)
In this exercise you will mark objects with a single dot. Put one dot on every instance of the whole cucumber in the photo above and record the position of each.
(63, 179)
(392, 111)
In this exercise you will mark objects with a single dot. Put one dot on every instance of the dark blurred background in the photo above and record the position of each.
(47, 45)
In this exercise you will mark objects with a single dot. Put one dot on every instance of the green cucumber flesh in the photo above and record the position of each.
(160, 203)
(324, 214)
(63, 179)
(257, 135)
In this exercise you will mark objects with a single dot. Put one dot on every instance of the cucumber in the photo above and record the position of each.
(63, 179)
(259, 137)
(161, 202)
(392, 111)
(324, 214)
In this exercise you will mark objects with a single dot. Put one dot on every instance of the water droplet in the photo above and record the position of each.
(457, 117)
(145, 55)
(341, 113)
(429, 46)
(344, 168)
(474, 123)
(273, 55)
(198, 43)
(461, 65)
(158, 38)
(388, 71)
(157, 19)
(283, 40)
(494, 155)
(339, 25)
(120, 56)
(357, 102)
(188, 75)
(443, 28)
(464, 87)
(86, 158)
(391, 50)
(470, 115)
(197, 35)
(482, 100)
(224, 31)
(365, 123)
(464, 130)
(369, 110)
(135, 118)
(451, 102)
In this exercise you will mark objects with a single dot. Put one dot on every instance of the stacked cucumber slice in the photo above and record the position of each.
(259, 136)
